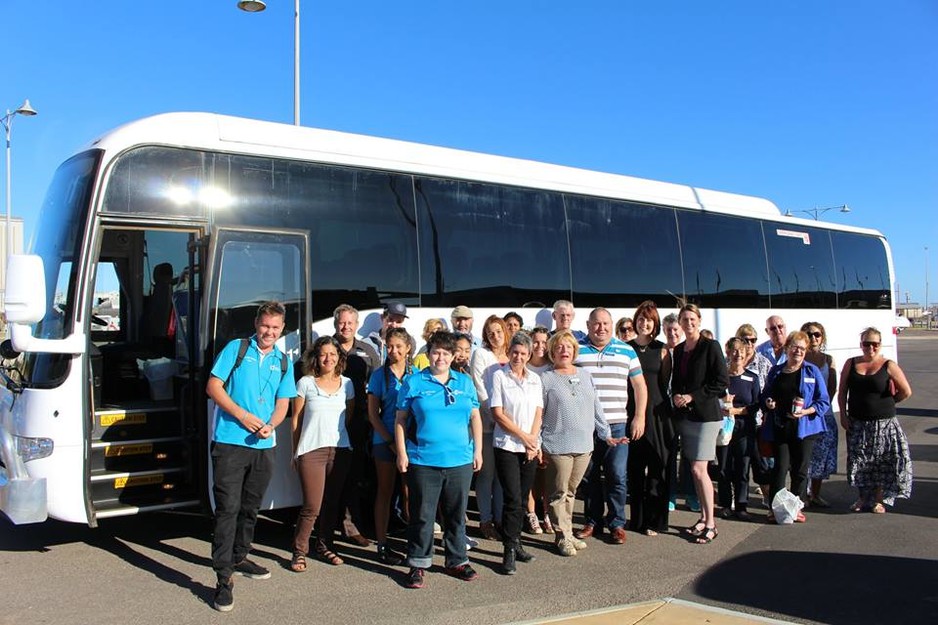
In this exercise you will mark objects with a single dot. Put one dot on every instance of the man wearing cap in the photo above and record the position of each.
(563, 319)
(461, 320)
(393, 317)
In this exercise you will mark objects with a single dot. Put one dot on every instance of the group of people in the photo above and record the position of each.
(534, 417)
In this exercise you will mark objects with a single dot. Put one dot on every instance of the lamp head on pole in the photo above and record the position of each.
(844, 209)
(26, 109)
(252, 6)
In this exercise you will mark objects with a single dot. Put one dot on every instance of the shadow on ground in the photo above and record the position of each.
(827, 588)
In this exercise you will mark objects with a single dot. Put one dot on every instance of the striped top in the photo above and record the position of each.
(611, 367)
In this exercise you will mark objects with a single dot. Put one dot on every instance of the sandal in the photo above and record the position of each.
(708, 536)
(698, 529)
(858, 506)
(878, 508)
(298, 563)
(329, 557)
(650, 532)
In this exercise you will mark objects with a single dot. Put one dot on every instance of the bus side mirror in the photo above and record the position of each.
(26, 305)
(26, 289)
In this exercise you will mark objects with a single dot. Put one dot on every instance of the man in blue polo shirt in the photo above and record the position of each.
(252, 390)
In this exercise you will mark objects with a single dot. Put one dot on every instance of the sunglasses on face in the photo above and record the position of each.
(815, 335)
(868, 344)
(775, 328)
(624, 329)
(750, 339)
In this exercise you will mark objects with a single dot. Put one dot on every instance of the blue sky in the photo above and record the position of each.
(804, 103)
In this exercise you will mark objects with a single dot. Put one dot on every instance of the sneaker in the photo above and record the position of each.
(489, 532)
(414, 578)
(387, 556)
(547, 525)
(672, 506)
(251, 569)
(534, 527)
(465, 572)
(565, 547)
(523, 556)
(224, 599)
(578, 544)
(437, 529)
(471, 543)
(694, 504)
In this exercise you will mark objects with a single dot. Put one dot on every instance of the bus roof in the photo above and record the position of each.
(213, 132)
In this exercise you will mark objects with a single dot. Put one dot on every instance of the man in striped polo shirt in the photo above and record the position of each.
(613, 364)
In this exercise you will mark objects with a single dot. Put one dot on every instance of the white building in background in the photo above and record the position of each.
(16, 224)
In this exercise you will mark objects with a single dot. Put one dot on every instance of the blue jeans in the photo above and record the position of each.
(611, 462)
(430, 487)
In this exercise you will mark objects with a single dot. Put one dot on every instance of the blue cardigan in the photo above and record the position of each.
(813, 388)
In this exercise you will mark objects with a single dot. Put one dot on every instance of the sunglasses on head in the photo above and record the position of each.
(870, 344)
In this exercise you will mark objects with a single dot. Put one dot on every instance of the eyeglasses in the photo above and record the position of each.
(815, 335)
(797, 348)
(870, 344)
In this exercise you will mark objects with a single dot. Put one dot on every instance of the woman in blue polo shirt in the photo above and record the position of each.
(438, 432)
(383, 388)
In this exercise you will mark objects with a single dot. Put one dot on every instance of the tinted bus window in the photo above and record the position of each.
(801, 267)
(159, 181)
(862, 271)
(363, 237)
(622, 253)
(487, 245)
(724, 260)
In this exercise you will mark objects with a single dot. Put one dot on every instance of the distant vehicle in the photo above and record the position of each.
(186, 222)
(901, 323)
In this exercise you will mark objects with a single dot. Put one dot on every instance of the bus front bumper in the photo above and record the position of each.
(23, 500)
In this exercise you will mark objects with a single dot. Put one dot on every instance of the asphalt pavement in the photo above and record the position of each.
(839, 567)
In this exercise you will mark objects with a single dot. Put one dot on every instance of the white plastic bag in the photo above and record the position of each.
(786, 506)
(726, 431)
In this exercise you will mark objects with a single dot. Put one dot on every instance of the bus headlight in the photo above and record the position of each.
(30, 448)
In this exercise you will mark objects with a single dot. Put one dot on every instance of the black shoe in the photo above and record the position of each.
(508, 560)
(743, 515)
(725, 513)
(414, 579)
(523, 556)
(251, 569)
(387, 556)
(465, 572)
(224, 599)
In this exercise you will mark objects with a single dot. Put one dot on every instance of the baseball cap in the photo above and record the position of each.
(395, 308)
(461, 312)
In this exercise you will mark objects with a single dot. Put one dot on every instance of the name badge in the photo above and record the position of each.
(809, 380)
(747, 378)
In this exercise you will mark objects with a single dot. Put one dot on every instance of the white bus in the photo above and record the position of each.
(190, 220)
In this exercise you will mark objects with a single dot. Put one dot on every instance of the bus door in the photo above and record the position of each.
(143, 373)
(248, 268)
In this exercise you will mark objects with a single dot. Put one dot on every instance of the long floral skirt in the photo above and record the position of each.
(878, 458)
(824, 456)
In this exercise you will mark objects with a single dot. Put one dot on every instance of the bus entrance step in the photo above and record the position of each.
(123, 424)
(140, 488)
(110, 509)
(138, 455)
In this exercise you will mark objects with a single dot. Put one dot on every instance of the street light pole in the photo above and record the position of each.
(817, 212)
(927, 311)
(27, 111)
(256, 6)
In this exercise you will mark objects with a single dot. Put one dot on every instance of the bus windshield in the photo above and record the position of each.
(58, 241)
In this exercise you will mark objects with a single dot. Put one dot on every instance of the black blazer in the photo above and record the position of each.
(706, 380)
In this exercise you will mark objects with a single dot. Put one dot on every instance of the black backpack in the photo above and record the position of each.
(242, 350)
